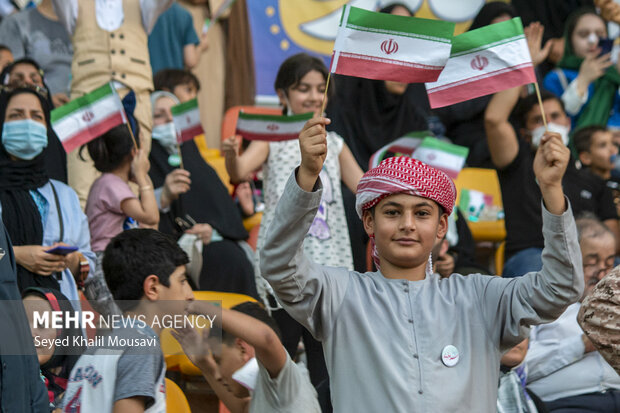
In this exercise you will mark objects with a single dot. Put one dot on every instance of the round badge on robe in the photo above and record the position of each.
(174, 160)
(450, 355)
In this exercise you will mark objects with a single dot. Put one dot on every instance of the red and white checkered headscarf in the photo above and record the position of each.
(403, 175)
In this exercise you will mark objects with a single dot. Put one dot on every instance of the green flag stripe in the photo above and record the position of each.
(184, 107)
(486, 36)
(436, 30)
(489, 46)
(81, 102)
(277, 118)
(433, 143)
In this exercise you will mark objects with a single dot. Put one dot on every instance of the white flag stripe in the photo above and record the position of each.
(187, 119)
(68, 126)
(490, 45)
(409, 49)
(269, 127)
(439, 159)
(461, 69)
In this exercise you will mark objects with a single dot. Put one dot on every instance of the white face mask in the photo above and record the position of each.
(538, 133)
(166, 134)
(247, 375)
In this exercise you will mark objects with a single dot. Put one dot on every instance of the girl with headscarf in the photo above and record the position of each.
(55, 362)
(207, 206)
(464, 121)
(27, 71)
(39, 213)
(586, 80)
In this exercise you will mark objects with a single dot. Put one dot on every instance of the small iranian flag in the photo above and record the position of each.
(484, 61)
(271, 128)
(404, 146)
(386, 47)
(186, 118)
(88, 117)
(442, 155)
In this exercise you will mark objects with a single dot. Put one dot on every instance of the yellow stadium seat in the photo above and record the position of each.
(486, 181)
(499, 258)
(176, 402)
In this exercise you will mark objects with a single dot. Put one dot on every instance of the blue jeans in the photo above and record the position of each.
(524, 261)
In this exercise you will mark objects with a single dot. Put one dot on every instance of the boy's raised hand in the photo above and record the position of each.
(550, 163)
(313, 147)
(196, 347)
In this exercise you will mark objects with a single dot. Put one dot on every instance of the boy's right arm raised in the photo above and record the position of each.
(310, 293)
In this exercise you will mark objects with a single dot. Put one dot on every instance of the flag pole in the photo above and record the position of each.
(540, 103)
(329, 75)
(133, 138)
(180, 156)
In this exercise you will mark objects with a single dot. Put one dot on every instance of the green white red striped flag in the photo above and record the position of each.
(387, 47)
(88, 117)
(442, 155)
(271, 128)
(483, 61)
(186, 117)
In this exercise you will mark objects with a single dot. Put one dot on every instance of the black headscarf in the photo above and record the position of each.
(208, 200)
(66, 359)
(19, 211)
(55, 155)
(490, 11)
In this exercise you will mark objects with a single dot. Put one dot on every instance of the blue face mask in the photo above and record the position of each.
(165, 134)
(24, 139)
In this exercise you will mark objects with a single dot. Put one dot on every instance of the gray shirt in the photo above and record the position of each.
(30, 34)
(290, 392)
(383, 338)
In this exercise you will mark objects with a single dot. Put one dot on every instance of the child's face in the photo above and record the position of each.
(406, 228)
(26, 73)
(32, 304)
(598, 254)
(602, 148)
(589, 29)
(185, 92)
(178, 292)
(307, 96)
(229, 359)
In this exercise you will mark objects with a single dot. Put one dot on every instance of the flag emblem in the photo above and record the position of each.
(88, 116)
(389, 46)
(479, 62)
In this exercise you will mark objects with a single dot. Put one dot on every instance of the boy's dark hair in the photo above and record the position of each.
(168, 79)
(5, 47)
(135, 254)
(582, 139)
(110, 150)
(527, 103)
(253, 310)
(293, 69)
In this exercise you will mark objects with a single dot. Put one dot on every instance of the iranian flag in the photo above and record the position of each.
(484, 61)
(186, 118)
(404, 146)
(271, 128)
(442, 155)
(88, 117)
(386, 47)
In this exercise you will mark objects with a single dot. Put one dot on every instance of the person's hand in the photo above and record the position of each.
(313, 147)
(445, 265)
(593, 67)
(60, 99)
(36, 260)
(534, 34)
(589, 347)
(202, 231)
(551, 160)
(230, 147)
(244, 195)
(196, 347)
(140, 166)
(176, 183)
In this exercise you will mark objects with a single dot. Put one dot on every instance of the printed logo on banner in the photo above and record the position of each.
(389, 46)
(479, 62)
